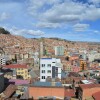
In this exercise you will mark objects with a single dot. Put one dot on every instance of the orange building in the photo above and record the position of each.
(83, 65)
(58, 92)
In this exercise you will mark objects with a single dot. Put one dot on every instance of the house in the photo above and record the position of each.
(67, 81)
(76, 81)
(74, 57)
(50, 67)
(8, 75)
(87, 90)
(20, 70)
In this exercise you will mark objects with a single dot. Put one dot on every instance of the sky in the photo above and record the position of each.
(75, 20)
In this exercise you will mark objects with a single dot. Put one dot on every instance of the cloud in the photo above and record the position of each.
(47, 25)
(17, 31)
(4, 16)
(81, 27)
(97, 32)
(9, 1)
(97, 2)
(35, 7)
(66, 12)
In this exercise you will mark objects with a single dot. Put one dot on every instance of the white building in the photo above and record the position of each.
(93, 56)
(3, 59)
(59, 50)
(50, 67)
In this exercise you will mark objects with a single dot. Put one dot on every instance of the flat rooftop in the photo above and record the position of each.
(86, 82)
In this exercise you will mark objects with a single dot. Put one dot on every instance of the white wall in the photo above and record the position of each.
(47, 61)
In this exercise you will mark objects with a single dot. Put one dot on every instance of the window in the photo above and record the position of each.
(28, 73)
(43, 71)
(56, 69)
(43, 65)
(49, 65)
(49, 71)
(19, 69)
(25, 75)
(43, 77)
(56, 74)
(18, 72)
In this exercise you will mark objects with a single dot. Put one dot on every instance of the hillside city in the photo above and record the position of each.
(48, 69)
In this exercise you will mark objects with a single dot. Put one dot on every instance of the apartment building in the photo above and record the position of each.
(50, 67)
(20, 70)
(59, 50)
(83, 65)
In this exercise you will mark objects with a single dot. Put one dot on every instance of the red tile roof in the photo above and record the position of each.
(96, 95)
(86, 86)
(9, 90)
(16, 66)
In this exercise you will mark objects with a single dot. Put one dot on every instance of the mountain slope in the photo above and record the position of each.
(17, 44)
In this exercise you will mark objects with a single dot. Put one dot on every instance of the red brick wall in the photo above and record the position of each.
(45, 91)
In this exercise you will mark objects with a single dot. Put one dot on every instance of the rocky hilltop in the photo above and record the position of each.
(3, 31)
